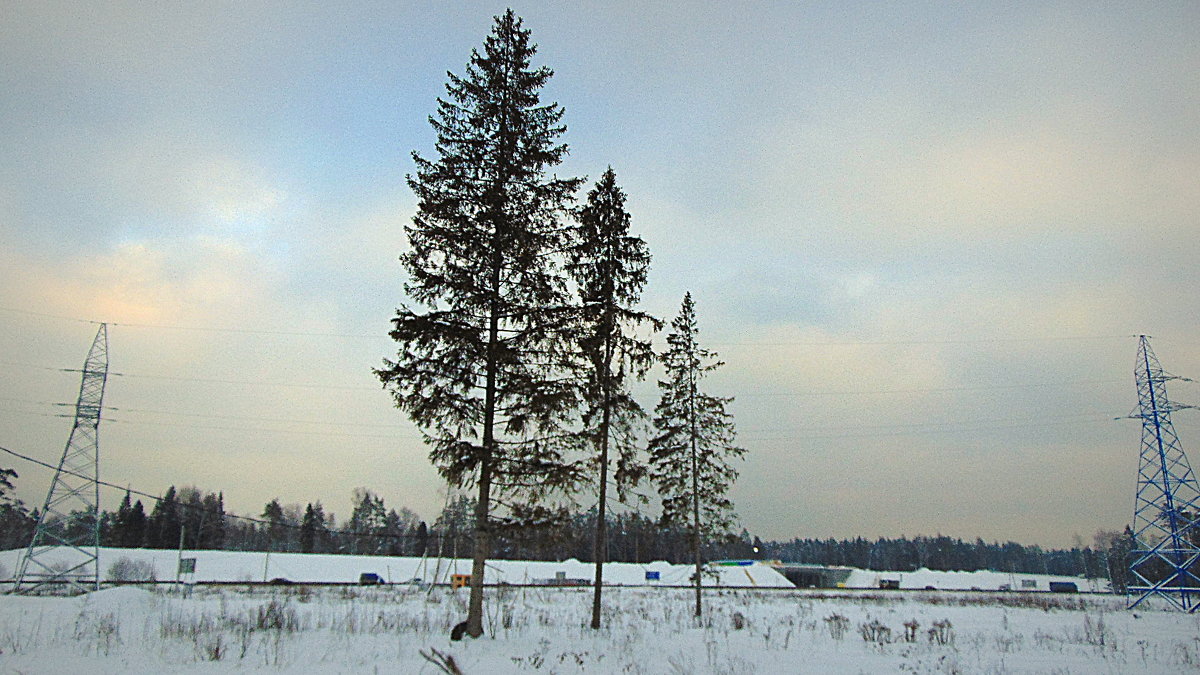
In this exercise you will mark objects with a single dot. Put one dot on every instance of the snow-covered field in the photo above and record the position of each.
(647, 630)
(235, 566)
(756, 624)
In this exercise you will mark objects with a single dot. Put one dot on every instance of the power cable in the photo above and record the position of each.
(858, 343)
(1002, 427)
(745, 433)
(184, 505)
(208, 329)
(299, 432)
(302, 385)
(929, 390)
(384, 335)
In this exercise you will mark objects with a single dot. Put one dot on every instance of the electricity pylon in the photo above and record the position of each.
(1166, 513)
(70, 517)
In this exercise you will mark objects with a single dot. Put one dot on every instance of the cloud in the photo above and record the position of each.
(929, 208)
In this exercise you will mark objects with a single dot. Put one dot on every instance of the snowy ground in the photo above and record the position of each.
(647, 630)
(322, 568)
(233, 566)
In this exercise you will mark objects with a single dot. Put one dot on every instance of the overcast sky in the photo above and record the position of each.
(920, 235)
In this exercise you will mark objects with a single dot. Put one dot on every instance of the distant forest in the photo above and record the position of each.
(198, 520)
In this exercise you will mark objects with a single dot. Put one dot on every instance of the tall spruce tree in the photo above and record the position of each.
(690, 456)
(480, 359)
(164, 525)
(609, 269)
(312, 528)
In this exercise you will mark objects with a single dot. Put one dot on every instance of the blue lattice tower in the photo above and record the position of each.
(68, 519)
(1166, 515)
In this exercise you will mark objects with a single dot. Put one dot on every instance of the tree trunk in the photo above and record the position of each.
(482, 507)
(482, 551)
(600, 549)
(695, 495)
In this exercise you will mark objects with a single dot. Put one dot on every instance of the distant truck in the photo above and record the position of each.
(370, 579)
(1063, 587)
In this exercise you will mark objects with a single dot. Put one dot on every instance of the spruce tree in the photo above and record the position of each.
(690, 456)
(313, 520)
(276, 526)
(136, 533)
(480, 359)
(212, 526)
(164, 523)
(120, 526)
(609, 268)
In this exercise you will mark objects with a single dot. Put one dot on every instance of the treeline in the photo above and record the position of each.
(16, 522)
(1104, 559)
(198, 520)
(194, 519)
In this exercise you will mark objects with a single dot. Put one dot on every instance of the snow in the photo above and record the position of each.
(985, 580)
(647, 629)
(230, 566)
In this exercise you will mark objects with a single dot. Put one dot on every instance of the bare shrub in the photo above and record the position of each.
(942, 632)
(837, 625)
(1094, 633)
(210, 647)
(442, 661)
(1043, 601)
(277, 616)
(910, 630)
(105, 629)
(739, 621)
(875, 632)
(129, 570)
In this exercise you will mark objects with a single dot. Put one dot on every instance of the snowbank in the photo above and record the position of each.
(984, 580)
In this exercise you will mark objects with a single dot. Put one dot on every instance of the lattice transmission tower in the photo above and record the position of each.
(70, 517)
(1166, 513)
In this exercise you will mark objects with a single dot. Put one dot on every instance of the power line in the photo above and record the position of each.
(313, 385)
(918, 432)
(857, 343)
(49, 316)
(203, 329)
(800, 343)
(929, 390)
(214, 427)
(184, 505)
(273, 419)
(298, 385)
(280, 420)
(746, 433)
(261, 430)
(301, 385)
(918, 425)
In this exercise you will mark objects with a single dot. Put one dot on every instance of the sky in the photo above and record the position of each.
(922, 236)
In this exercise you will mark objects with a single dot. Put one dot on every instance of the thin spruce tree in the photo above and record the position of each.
(690, 456)
(481, 361)
(609, 268)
